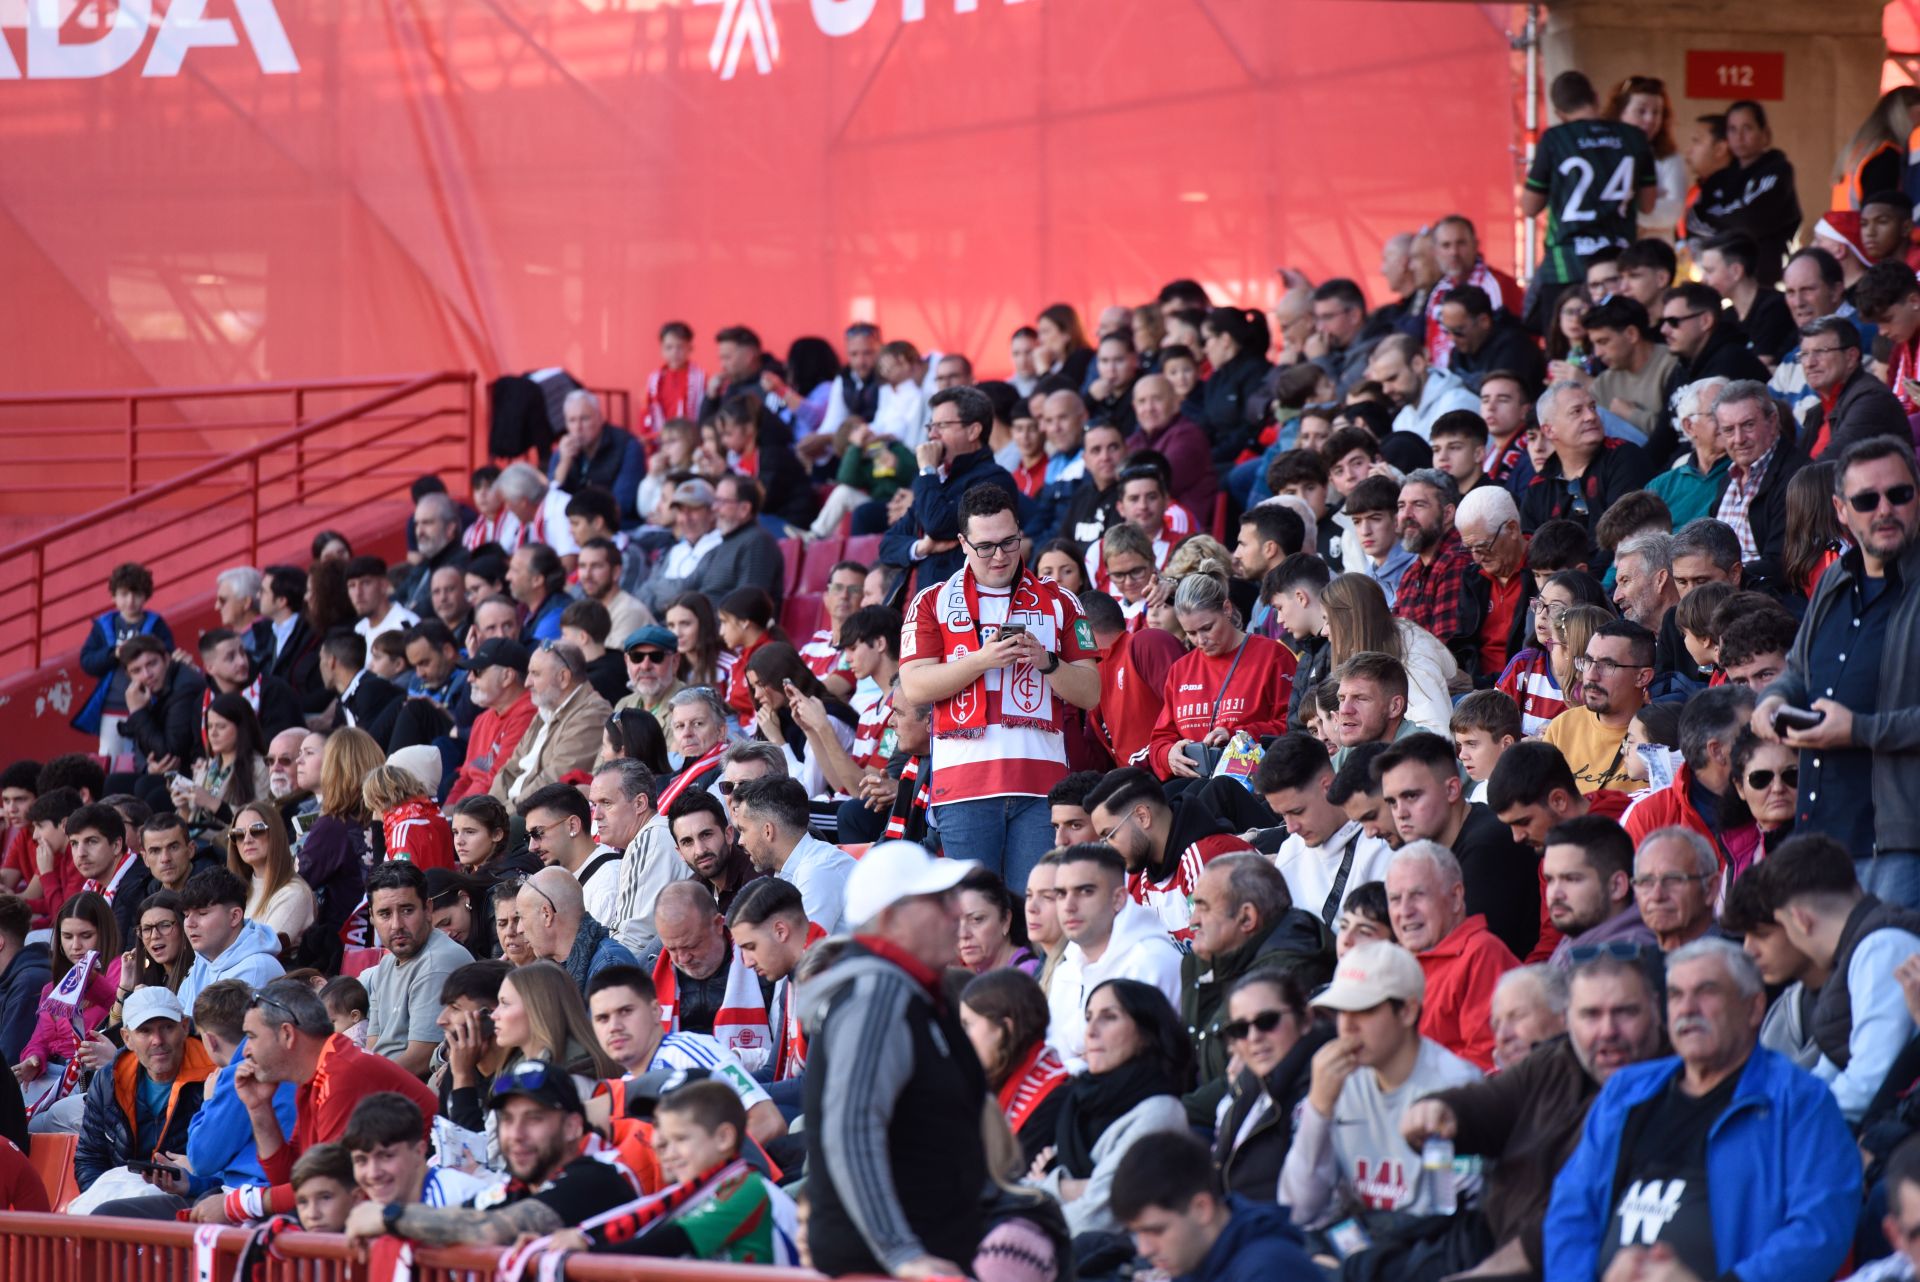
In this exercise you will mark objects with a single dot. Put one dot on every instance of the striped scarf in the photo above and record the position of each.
(741, 1024)
(910, 802)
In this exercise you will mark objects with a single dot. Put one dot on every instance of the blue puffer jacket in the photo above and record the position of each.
(1783, 1175)
(1259, 1244)
(220, 1136)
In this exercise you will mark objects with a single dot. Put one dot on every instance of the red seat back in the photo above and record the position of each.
(817, 566)
(864, 548)
(52, 1160)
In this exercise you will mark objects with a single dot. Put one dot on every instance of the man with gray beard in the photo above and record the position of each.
(1441, 590)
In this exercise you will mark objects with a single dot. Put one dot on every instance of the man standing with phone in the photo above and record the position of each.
(1851, 665)
(1000, 698)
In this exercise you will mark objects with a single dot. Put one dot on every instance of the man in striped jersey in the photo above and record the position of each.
(626, 1019)
(385, 1138)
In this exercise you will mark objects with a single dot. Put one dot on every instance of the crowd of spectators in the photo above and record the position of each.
(1395, 789)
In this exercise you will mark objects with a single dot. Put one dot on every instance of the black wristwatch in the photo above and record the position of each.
(390, 1216)
(1053, 664)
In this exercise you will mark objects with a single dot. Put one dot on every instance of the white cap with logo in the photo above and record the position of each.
(1374, 973)
(896, 870)
(151, 1003)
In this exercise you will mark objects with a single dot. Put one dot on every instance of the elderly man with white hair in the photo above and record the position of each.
(1488, 520)
(1675, 876)
(536, 512)
(593, 452)
(1752, 497)
(1723, 1160)
(436, 546)
(236, 595)
(1529, 1007)
(566, 729)
(1461, 958)
(1588, 471)
(1689, 487)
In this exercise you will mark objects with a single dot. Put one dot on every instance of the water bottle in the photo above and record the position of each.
(1436, 1160)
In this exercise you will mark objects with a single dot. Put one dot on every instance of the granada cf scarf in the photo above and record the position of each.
(1023, 698)
(741, 1025)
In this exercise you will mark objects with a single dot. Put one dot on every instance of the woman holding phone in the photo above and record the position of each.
(777, 678)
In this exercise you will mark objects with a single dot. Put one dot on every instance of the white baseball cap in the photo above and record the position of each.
(1373, 973)
(896, 870)
(150, 1003)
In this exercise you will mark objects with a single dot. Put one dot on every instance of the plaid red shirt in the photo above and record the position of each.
(1429, 595)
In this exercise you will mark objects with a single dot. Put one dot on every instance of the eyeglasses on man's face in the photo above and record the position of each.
(994, 551)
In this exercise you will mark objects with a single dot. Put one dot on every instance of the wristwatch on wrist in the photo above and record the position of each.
(390, 1216)
(1053, 664)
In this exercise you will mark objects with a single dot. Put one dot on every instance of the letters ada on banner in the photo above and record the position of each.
(102, 44)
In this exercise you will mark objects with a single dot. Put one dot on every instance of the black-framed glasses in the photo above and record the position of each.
(1237, 1030)
(1761, 780)
(258, 828)
(1004, 547)
(1869, 500)
(1675, 322)
(551, 906)
(640, 654)
(1130, 577)
(154, 929)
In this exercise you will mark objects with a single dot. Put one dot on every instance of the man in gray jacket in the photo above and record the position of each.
(895, 1160)
(1851, 664)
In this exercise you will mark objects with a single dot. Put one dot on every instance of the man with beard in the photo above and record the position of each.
(1440, 589)
(1858, 781)
(1527, 1120)
(1643, 579)
(650, 655)
(403, 990)
(436, 539)
(1588, 867)
(705, 838)
(1166, 842)
(497, 684)
(1614, 673)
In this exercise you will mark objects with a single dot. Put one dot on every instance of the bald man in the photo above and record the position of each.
(1156, 407)
(558, 928)
(706, 986)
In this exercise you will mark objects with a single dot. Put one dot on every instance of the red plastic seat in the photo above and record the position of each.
(816, 567)
(856, 848)
(1220, 517)
(355, 961)
(52, 1161)
(802, 615)
(791, 550)
(864, 548)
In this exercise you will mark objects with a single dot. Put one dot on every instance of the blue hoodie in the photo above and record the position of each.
(253, 956)
(1259, 1244)
(220, 1136)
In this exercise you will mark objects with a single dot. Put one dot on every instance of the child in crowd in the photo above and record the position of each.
(1653, 744)
(84, 924)
(346, 1001)
(717, 1208)
(678, 389)
(1485, 724)
(130, 585)
(671, 456)
(323, 1188)
(492, 507)
(1694, 617)
(1183, 371)
(1363, 918)
(387, 657)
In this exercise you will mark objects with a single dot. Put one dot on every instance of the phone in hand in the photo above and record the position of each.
(154, 1168)
(1011, 630)
(1792, 718)
(483, 1022)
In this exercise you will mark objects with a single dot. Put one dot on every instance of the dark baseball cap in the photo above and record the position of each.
(654, 635)
(537, 1080)
(504, 651)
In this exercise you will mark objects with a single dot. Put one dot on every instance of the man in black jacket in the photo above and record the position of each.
(895, 1160)
(1754, 194)
(363, 699)
(231, 670)
(1589, 471)
(1243, 920)
(163, 702)
(1830, 352)
(954, 459)
(1485, 339)
(1752, 497)
(1705, 336)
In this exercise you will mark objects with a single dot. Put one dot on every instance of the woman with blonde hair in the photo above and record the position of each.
(1875, 158)
(1239, 681)
(1357, 619)
(1643, 101)
(333, 854)
(258, 854)
(411, 823)
(541, 1015)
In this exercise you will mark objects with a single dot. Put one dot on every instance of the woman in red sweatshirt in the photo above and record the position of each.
(1230, 681)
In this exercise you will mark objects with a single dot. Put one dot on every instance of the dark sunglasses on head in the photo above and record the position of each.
(1869, 500)
(1759, 780)
(258, 828)
(1235, 1030)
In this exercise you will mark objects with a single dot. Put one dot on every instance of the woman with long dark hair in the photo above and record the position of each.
(1005, 1015)
(636, 734)
(233, 772)
(775, 668)
(1139, 1060)
(746, 624)
(158, 953)
(1231, 402)
(993, 927)
(1063, 348)
(704, 660)
(1272, 1035)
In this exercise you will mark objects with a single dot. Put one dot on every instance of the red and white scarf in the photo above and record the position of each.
(107, 889)
(741, 1024)
(1439, 341)
(1040, 1074)
(1024, 698)
(671, 793)
(793, 1040)
(897, 821)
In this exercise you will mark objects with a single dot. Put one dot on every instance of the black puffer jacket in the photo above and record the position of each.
(108, 1135)
(1233, 407)
(1251, 1166)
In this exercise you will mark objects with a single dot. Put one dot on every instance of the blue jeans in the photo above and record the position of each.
(1005, 834)
(1893, 876)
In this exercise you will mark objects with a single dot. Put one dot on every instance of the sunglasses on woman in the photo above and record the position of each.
(1761, 780)
(1237, 1030)
(258, 828)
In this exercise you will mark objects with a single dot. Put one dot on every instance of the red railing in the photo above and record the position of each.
(62, 1248)
(250, 505)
